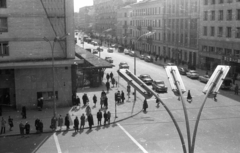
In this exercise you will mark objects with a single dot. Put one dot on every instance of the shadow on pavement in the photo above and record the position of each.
(230, 94)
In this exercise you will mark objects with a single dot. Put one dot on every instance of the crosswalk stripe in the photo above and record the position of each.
(57, 143)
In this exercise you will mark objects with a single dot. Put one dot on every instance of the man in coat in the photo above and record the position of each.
(107, 86)
(94, 99)
(40, 126)
(111, 75)
(122, 97)
(90, 121)
(106, 102)
(107, 76)
(21, 127)
(85, 99)
(145, 105)
(27, 128)
(109, 117)
(82, 121)
(105, 115)
(67, 121)
(99, 117)
(76, 124)
(24, 112)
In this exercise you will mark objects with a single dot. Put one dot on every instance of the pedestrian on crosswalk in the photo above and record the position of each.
(107, 86)
(94, 99)
(90, 121)
(105, 115)
(82, 121)
(99, 117)
(67, 121)
(60, 122)
(109, 117)
(122, 97)
(76, 124)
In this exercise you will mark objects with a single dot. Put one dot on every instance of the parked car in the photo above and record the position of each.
(109, 59)
(94, 43)
(120, 49)
(192, 74)
(148, 59)
(142, 57)
(123, 65)
(182, 70)
(95, 51)
(88, 49)
(131, 53)
(110, 50)
(114, 46)
(146, 79)
(159, 86)
(227, 84)
(126, 51)
(204, 78)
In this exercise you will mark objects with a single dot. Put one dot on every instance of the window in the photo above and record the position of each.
(220, 1)
(220, 31)
(4, 49)
(205, 31)
(212, 15)
(3, 24)
(219, 51)
(229, 14)
(228, 51)
(204, 48)
(238, 14)
(212, 31)
(205, 2)
(213, 1)
(211, 49)
(3, 3)
(220, 17)
(237, 53)
(205, 15)
(229, 32)
(238, 32)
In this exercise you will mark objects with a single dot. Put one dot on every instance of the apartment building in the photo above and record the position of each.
(86, 16)
(26, 67)
(220, 34)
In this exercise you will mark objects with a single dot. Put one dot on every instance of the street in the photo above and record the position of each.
(151, 132)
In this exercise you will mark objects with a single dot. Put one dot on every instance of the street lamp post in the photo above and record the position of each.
(57, 38)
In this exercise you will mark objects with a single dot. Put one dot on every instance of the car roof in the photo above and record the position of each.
(193, 71)
(144, 75)
(158, 81)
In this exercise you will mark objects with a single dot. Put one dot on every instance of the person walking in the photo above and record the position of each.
(10, 123)
(27, 128)
(90, 121)
(145, 105)
(85, 99)
(111, 75)
(53, 125)
(60, 122)
(37, 125)
(21, 128)
(24, 112)
(106, 102)
(67, 121)
(99, 117)
(88, 110)
(40, 126)
(116, 83)
(103, 93)
(94, 99)
(109, 117)
(3, 125)
(113, 82)
(105, 115)
(122, 97)
(158, 102)
(118, 97)
(107, 77)
(82, 121)
(78, 102)
(102, 100)
(128, 90)
(76, 124)
(236, 89)
(107, 86)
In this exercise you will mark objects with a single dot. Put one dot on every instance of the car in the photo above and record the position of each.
(159, 86)
(148, 59)
(114, 46)
(95, 51)
(171, 64)
(94, 43)
(227, 84)
(131, 53)
(204, 78)
(120, 49)
(146, 79)
(109, 59)
(182, 70)
(110, 50)
(192, 74)
(142, 57)
(126, 51)
(123, 65)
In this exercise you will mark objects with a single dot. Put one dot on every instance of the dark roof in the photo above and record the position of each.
(92, 59)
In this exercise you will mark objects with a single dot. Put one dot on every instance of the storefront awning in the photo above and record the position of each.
(92, 59)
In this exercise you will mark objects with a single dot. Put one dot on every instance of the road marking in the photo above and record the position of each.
(57, 143)
(36, 149)
(135, 141)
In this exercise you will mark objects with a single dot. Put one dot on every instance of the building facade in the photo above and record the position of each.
(26, 67)
(220, 34)
(86, 16)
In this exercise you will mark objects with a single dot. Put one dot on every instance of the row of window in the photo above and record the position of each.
(212, 2)
(229, 15)
(221, 51)
(147, 11)
(145, 23)
(220, 31)
(3, 4)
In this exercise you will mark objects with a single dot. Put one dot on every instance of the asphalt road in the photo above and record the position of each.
(153, 131)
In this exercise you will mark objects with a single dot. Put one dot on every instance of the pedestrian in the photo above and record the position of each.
(99, 117)
(24, 112)
(115, 96)
(94, 99)
(103, 93)
(90, 121)
(118, 97)
(40, 126)
(67, 121)
(107, 77)
(236, 89)
(37, 125)
(85, 99)
(27, 128)
(53, 125)
(10, 123)
(40, 103)
(105, 115)
(158, 102)
(0, 110)
(3, 125)
(215, 97)
(88, 110)
(76, 124)
(145, 105)
(82, 121)
(109, 117)
(113, 82)
(128, 90)
(111, 75)
(78, 101)
(106, 102)
(107, 86)
(21, 128)
(122, 97)
(102, 100)
(116, 83)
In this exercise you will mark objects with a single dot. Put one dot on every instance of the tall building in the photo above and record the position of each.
(86, 16)
(26, 68)
(220, 34)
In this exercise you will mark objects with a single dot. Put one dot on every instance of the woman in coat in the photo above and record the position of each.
(90, 121)
(82, 121)
(145, 105)
(122, 97)
(67, 122)
(53, 123)
(88, 110)
(76, 124)
(27, 128)
(60, 122)
(94, 99)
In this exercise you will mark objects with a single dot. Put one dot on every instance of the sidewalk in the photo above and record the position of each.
(124, 111)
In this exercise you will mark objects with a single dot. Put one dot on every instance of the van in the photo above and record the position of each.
(227, 84)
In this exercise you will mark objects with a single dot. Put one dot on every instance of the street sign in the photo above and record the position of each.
(216, 79)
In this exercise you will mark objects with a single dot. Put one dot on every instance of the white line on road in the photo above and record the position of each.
(57, 143)
(135, 141)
